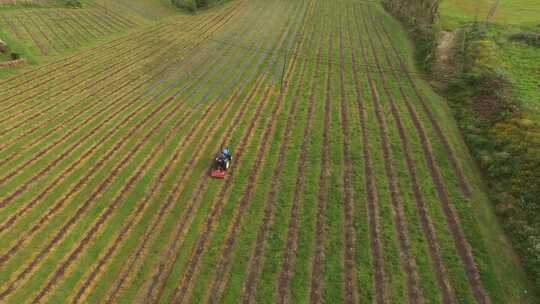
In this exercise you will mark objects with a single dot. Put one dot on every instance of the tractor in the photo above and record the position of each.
(221, 164)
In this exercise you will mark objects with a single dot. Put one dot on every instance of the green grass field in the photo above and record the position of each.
(349, 183)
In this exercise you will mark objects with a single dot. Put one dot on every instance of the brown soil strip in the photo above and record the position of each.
(407, 261)
(86, 205)
(317, 266)
(223, 266)
(62, 156)
(461, 243)
(149, 232)
(425, 222)
(349, 263)
(250, 284)
(465, 188)
(206, 235)
(371, 199)
(38, 155)
(96, 167)
(215, 211)
(58, 205)
(156, 185)
(169, 257)
(289, 254)
(118, 200)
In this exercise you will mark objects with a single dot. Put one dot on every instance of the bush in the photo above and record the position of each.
(532, 39)
(15, 56)
(73, 3)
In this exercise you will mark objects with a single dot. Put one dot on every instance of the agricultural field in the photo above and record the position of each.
(349, 179)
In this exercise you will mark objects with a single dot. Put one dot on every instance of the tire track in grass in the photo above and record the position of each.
(123, 276)
(285, 274)
(462, 180)
(34, 24)
(57, 21)
(161, 177)
(168, 259)
(407, 261)
(118, 200)
(81, 182)
(200, 247)
(425, 222)
(41, 47)
(51, 30)
(253, 270)
(77, 26)
(318, 260)
(219, 279)
(370, 186)
(349, 263)
(88, 202)
(462, 246)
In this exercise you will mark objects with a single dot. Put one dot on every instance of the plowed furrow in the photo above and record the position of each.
(349, 263)
(40, 154)
(289, 255)
(201, 245)
(250, 284)
(371, 190)
(317, 265)
(223, 265)
(461, 243)
(407, 261)
(170, 256)
(425, 222)
(5, 257)
(43, 50)
(155, 187)
(465, 188)
(128, 186)
(87, 204)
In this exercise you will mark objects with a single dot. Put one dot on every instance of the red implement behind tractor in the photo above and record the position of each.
(221, 164)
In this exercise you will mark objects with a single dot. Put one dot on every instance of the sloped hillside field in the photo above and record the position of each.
(349, 180)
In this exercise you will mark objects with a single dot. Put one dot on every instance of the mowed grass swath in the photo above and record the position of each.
(349, 180)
